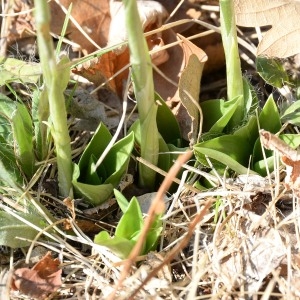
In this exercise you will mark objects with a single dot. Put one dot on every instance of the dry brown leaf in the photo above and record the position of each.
(289, 157)
(44, 278)
(92, 16)
(282, 40)
(101, 69)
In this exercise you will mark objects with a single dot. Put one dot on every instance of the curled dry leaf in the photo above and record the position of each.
(44, 278)
(282, 40)
(289, 156)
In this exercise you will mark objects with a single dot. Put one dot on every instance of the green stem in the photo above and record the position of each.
(233, 64)
(52, 74)
(142, 77)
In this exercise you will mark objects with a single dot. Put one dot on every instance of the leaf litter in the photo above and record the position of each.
(247, 246)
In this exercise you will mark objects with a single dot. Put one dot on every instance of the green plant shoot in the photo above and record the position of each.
(129, 229)
(56, 77)
(144, 92)
(233, 64)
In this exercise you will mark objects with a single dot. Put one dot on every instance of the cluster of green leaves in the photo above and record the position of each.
(231, 128)
(129, 228)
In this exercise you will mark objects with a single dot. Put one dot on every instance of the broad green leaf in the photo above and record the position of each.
(166, 122)
(120, 246)
(272, 71)
(229, 150)
(131, 222)
(269, 118)
(117, 159)
(15, 70)
(23, 134)
(94, 194)
(249, 131)
(95, 147)
(87, 181)
(11, 228)
(217, 113)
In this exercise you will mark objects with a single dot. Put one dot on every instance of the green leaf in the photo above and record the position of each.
(15, 70)
(120, 246)
(10, 174)
(117, 159)
(229, 150)
(217, 114)
(122, 201)
(249, 131)
(40, 116)
(292, 114)
(95, 147)
(153, 235)
(94, 194)
(91, 176)
(269, 118)
(166, 122)
(149, 148)
(23, 134)
(11, 228)
(272, 71)
(131, 221)
(87, 181)
(250, 97)
(7, 108)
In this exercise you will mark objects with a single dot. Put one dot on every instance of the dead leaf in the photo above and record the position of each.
(44, 278)
(289, 156)
(92, 16)
(105, 67)
(282, 40)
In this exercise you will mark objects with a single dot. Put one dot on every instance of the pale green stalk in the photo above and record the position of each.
(142, 77)
(233, 64)
(55, 81)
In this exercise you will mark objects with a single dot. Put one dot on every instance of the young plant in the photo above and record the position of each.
(129, 229)
(96, 184)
